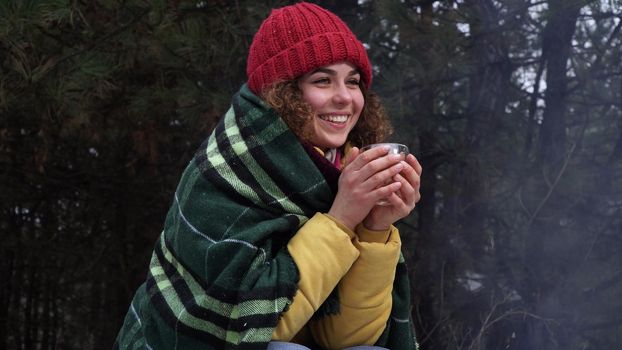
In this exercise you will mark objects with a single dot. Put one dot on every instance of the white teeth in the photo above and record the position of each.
(335, 118)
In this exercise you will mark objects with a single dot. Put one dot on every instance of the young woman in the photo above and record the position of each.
(274, 239)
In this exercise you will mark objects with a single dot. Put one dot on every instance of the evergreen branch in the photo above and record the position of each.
(101, 41)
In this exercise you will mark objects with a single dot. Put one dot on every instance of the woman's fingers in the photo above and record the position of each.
(386, 190)
(382, 177)
(365, 157)
(412, 172)
(409, 191)
(413, 162)
(372, 168)
(411, 181)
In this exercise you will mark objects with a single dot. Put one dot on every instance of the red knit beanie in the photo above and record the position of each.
(299, 38)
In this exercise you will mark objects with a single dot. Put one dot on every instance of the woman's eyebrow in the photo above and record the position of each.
(354, 72)
(334, 72)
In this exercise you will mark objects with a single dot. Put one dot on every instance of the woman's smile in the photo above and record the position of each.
(338, 121)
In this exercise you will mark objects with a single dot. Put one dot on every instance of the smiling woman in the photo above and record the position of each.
(274, 239)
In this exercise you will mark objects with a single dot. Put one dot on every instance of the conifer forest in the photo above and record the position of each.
(513, 108)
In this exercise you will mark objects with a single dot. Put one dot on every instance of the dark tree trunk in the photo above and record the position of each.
(30, 310)
(556, 48)
(18, 288)
(533, 107)
(7, 266)
(46, 323)
(616, 154)
(429, 247)
(429, 243)
(539, 288)
(488, 88)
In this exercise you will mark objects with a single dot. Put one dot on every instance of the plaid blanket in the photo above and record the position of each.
(220, 274)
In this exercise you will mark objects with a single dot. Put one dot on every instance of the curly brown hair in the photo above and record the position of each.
(285, 97)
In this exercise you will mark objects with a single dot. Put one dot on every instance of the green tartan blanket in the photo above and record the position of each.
(220, 275)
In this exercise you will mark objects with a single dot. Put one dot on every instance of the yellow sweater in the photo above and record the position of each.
(362, 265)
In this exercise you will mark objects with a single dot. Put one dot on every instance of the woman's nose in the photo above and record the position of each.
(342, 95)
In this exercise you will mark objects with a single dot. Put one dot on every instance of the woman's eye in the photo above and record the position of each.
(353, 82)
(321, 81)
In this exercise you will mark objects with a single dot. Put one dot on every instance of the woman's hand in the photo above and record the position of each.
(382, 217)
(362, 184)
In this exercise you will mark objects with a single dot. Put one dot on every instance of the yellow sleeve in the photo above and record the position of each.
(323, 252)
(364, 293)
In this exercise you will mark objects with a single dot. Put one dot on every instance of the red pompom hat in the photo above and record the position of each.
(299, 38)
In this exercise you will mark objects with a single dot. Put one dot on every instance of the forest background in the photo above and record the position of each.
(513, 107)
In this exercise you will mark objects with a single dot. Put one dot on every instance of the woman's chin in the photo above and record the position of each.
(329, 143)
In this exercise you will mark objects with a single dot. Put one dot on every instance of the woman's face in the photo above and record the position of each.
(336, 99)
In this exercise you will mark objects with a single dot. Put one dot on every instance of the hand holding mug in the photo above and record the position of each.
(394, 148)
(366, 179)
(401, 202)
